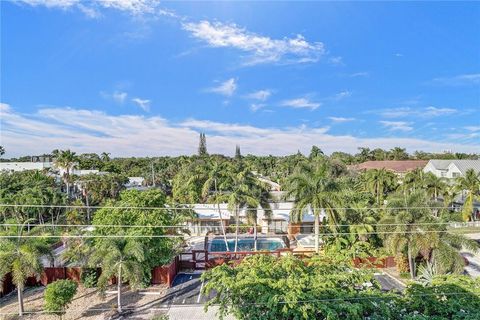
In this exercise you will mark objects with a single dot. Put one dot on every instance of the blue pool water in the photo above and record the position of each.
(247, 244)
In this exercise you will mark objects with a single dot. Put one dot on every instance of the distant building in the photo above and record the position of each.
(451, 168)
(135, 182)
(399, 167)
(24, 166)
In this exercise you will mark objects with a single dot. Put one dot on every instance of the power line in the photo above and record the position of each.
(192, 207)
(333, 234)
(230, 225)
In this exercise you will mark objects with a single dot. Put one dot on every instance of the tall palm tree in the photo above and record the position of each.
(241, 195)
(262, 193)
(378, 182)
(414, 180)
(217, 178)
(119, 257)
(313, 189)
(403, 225)
(469, 185)
(21, 257)
(434, 186)
(66, 160)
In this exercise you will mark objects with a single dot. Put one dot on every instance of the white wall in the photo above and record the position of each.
(22, 166)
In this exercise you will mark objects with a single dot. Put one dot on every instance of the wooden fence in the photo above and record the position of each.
(160, 275)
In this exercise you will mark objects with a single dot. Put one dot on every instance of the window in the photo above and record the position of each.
(443, 174)
(455, 174)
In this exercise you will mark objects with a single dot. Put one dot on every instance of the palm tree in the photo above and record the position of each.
(362, 219)
(21, 257)
(403, 226)
(378, 182)
(469, 185)
(217, 177)
(413, 180)
(241, 195)
(262, 193)
(434, 186)
(119, 257)
(66, 160)
(105, 156)
(312, 188)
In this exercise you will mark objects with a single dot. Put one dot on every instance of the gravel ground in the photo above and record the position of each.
(87, 304)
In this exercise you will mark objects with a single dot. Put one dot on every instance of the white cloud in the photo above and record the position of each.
(398, 55)
(261, 49)
(117, 96)
(359, 74)
(473, 128)
(226, 88)
(91, 8)
(397, 125)
(257, 106)
(458, 80)
(342, 95)
(261, 95)
(142, 103)
(301, 103)
(132, 135)
(341, 119)
(427, 112)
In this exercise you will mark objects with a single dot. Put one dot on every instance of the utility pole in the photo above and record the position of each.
(153, 175)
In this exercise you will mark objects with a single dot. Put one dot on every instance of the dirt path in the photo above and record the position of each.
(87, 304)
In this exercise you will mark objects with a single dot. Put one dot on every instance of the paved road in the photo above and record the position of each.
(388, 283)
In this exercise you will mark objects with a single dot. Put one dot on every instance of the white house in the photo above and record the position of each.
(451, 168)
(209, 217)
(23, 166)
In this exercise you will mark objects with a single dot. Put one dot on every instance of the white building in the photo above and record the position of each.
(209, 217)
(451, 168)
(135, 182)
(23, 166)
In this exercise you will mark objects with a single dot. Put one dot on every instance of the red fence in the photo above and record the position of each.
(160, 275)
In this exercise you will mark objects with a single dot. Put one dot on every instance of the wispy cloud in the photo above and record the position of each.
(226, 88)
(300, 103)
(342, 95)
(257, 106)
(92, 8)
(397, 125)
(359, 74)
(458, 80)
(260, 49)
(142, 103)
(117, 96)
(341, 119)
(427, 112)
(260, 95)
(133, 135)
(473, 128)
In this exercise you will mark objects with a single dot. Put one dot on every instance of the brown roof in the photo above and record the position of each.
(398, 166)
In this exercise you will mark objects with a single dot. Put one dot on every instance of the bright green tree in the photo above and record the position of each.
(313, 189)
(122, 258)
(21, 256)
(470, 186)
(58, 295)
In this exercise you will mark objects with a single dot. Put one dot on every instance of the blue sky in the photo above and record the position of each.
(142, 77)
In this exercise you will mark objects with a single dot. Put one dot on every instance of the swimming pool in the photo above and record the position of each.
(246, 244)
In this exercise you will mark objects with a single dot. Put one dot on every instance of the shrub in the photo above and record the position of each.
(89, 277)
(58, 295)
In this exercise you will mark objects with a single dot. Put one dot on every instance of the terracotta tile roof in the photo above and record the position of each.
(398, 166)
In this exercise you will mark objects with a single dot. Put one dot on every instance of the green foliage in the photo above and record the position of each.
(58, 295)
(158, 250)
(89, 277)
(265, 287)
(29, 187)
